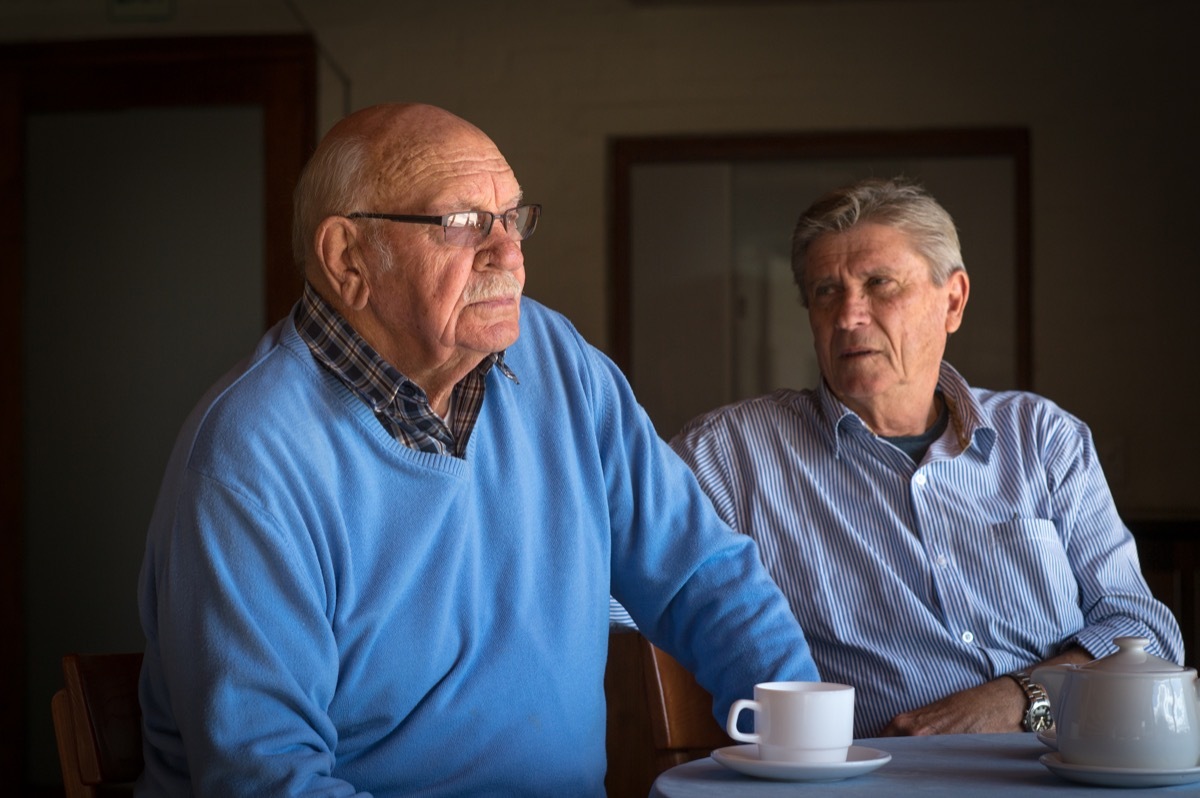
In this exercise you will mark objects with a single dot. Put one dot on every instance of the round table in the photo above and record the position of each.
(941, 766)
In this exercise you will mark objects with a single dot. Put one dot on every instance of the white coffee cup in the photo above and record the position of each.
(798, 721)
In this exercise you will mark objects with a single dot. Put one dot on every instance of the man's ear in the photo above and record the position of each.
(339, 251)
(958, 286)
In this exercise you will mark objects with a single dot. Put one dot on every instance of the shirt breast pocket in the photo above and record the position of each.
(1033, 575)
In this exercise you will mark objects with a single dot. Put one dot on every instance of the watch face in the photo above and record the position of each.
(1040, 719)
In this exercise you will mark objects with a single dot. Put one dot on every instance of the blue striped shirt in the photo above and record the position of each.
(911, 582)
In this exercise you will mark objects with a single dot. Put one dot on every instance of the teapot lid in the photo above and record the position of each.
(1131, 657)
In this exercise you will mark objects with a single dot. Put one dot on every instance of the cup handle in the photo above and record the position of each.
(734, 712)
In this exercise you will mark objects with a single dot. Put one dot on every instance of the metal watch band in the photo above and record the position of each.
(1037, 703)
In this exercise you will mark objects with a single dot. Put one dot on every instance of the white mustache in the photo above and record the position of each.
(493, 286)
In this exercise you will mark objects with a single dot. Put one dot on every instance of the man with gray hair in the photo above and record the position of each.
(936, 541)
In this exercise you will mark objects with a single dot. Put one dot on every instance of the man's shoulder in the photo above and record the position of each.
(249, 414)
(1018, 414)
(998, 404)
(781, 402)
(757, 415)
(1013, 401)
(274, 359)
(267, 384)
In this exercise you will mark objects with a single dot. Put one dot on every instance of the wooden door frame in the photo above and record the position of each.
(275, 73)
(626, 153)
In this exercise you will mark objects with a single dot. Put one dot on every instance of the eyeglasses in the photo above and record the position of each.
(470, 228)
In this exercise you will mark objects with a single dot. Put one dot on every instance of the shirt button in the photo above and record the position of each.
(967, 637)
(941, 560)
(919, 479)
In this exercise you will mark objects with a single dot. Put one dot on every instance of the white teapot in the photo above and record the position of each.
(1130, 709)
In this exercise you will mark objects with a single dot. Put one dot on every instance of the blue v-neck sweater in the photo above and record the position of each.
(328, 612)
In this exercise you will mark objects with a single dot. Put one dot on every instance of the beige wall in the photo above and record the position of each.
(1109, 90)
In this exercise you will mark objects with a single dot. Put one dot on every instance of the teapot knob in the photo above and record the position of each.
(1131, 645)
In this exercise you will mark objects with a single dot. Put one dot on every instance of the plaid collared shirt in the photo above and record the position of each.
(399, 403)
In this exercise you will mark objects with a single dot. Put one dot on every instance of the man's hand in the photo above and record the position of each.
(995, 706)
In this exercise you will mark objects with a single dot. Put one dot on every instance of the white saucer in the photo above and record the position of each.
(744, 759)
(1118, 777)
(1049, 738)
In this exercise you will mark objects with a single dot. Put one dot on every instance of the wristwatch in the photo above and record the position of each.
(1037, 709)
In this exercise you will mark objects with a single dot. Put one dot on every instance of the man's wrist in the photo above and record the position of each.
(1036, 715)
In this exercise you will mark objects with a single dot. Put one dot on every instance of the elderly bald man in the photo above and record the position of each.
(381, 558)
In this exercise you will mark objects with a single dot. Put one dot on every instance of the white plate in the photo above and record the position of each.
(1118, 777)
(1049, 738)
(744, 759)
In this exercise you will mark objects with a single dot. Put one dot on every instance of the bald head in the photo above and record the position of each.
(385, 158)
(431, 307)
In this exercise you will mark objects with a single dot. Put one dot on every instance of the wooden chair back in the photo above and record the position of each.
(98, 724)
(658, 715)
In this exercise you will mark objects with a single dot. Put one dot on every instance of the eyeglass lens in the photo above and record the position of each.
(470, 228)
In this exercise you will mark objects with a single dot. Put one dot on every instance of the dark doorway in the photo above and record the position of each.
(66, 97)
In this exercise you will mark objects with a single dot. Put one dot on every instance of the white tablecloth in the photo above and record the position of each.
(941, 766)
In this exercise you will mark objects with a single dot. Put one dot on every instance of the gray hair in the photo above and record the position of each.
(900, 203)
(331, 183)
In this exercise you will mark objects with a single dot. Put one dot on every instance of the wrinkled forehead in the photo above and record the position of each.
(426, 172)
(865, 245)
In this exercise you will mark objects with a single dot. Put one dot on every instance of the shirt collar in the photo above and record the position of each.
(339, 346)
(399, 403)
(966, 414)
(343, 351)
